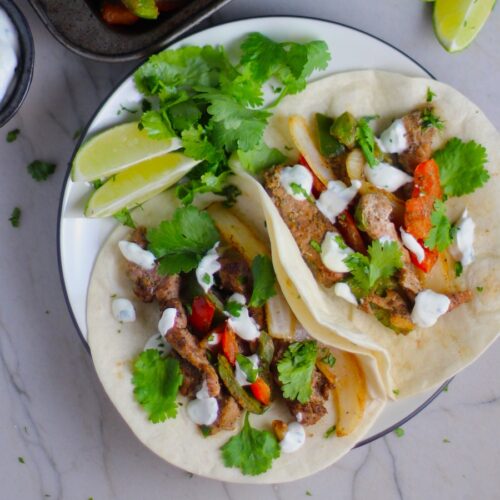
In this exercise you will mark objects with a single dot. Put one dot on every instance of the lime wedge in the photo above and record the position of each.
(116, 149)
(146, 9)
(457, 22)
(138, 184)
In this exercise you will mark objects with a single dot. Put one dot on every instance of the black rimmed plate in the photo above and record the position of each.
(80, 239)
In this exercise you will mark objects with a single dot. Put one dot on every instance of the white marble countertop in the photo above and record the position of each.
(53, 412)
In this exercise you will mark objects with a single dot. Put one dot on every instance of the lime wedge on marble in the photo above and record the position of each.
(457, 22)
(137, 184)
(116, 149)
(146, 9)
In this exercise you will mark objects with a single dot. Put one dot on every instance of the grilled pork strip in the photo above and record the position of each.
(306, 224)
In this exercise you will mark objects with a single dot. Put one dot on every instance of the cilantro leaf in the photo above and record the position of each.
(12, 135)
(441, 233)
(157, 125)
(233, 308)
(197, 145)
(263, 281)
(459, 269)
(371, 272)
(156, 383)
(251, 450)
(429, 119)
(330, 431)
(366, 141)
(298, 189)
(180, 243)
(247, 367)
(430, 95)
(97, 183)
(15, 217)
(461, 167)
(315, 246)
(184, 115)
(260, 158)
(40, 170)
(295, 370)
(125, 217)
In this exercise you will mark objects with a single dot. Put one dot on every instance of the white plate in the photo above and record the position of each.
(80, 239)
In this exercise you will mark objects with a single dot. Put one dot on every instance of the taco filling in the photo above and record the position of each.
(218, 306)
(369, 213)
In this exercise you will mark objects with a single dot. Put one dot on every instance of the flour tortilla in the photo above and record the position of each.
(426, 357)
(114, 346)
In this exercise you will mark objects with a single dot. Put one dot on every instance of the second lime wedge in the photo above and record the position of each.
(116, 149)
(457, 22)
(138, 184)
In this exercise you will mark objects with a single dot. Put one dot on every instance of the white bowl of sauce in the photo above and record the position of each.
(16, 59)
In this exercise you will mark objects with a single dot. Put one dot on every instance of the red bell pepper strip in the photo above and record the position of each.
(201, 315)
(426, 180)
(261, 391)
(430, 258)
(229, 344)
(117, 15)
(318, 186)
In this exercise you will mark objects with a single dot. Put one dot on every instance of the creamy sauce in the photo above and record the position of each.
(123, 310)
(393, 139)
(240, 375)
(207, 267)
(9, 52)
(243, 325)
(300, 176)
(214, 339)
(167, 320)
(462, 248)
(387, 177)
(294, 438)
(428, 308)
(343, 291)
(411, 243)
(159, 343)
(299, 417)
(137, 255)
(334, 252)
(204, 409)
(335, 199)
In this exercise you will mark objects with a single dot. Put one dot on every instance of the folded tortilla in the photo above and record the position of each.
(114, 347)
(425, 358)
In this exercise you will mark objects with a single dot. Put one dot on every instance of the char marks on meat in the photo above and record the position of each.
(191, 379)
(306, 224)
(229, 414)
(235, 274)
(419, 141)
(312, 411)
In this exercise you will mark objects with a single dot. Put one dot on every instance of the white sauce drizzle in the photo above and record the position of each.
(411, 243)
(137, 255)
(343, 291)
(204, 409)
(294, 438)
(243, 325)
(332, 253)
(385, 176)
(207, 267)
(159, 343)
(240, 375)
(336, 198)
(393, 139)
(429, 306)
(123, 310)
(300, 175)
(167, 320)
(462, 248)
(9, 52)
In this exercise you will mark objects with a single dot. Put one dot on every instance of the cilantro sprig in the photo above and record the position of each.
(41, 170)
(264, 280)
(441, 234)
(366, 141)
(156, 383)
(180, 243)
(371, 272)
(295, 370)
(215, 106)
(251, 450)
(462, 167)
